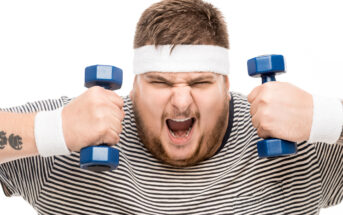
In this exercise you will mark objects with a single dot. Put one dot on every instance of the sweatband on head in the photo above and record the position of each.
(49, 133)
(182, 58)
(327, 120)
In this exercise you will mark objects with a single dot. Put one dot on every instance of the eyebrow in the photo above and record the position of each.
(157, 77)
(171, 79)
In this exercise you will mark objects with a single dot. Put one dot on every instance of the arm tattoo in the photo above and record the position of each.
(3, 139)
(15, 141)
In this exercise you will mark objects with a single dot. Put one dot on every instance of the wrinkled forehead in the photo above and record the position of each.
(180, 76)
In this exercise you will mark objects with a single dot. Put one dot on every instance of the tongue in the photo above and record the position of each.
(179, 126)
(180, 133)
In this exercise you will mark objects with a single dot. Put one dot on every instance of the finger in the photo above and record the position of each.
(253, 94)
(255, 121)
(262, 98)
(262, 133)
(116, 124)
(118, 113)
(114, 98)
(111, 138)
(253, 108)
(262, 123)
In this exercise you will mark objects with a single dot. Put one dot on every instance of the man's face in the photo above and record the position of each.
(181, 117)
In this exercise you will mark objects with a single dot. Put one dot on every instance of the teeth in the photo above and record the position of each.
(182, 136)
(180, 120)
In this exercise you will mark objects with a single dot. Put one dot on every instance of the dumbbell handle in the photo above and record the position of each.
(267, 78)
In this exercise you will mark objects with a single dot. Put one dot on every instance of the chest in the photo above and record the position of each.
(248, 185)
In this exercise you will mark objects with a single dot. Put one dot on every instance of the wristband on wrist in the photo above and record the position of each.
(327, 120)
(49, 133)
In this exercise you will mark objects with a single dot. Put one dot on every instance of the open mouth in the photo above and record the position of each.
(180, 130)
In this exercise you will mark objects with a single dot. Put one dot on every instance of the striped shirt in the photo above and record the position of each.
(234, 181)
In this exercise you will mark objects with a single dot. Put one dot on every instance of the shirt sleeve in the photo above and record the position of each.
(330, 160)
(25, 177)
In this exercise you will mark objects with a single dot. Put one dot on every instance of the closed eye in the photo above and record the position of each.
(200, 83)
(160, 83)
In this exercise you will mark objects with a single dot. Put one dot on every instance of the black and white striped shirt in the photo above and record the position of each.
(233, 181)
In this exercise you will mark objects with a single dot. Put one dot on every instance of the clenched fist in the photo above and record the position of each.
(93, 118)
(281, 110)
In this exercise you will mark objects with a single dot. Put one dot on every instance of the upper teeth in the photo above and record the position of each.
(181, 120)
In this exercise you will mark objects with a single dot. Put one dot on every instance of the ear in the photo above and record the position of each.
(133, 87)
(131, 92)
(227, 86)
(227, 82)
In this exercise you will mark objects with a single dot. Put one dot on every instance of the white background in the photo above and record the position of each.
(45, 46)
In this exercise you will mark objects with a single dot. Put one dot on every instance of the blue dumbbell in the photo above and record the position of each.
(102, 157)
(266, 67)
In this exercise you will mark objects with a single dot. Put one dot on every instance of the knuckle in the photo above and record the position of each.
(101, 128)
(265, 95)
(112, 140)
(99, 116)
(119, 114)
(92, 92)
(265, 126)
(95, 103)
(101, 131)
(252, 109)
(114, 137)
(117, 139)
(120, 128)
(268, 86)
(254, 123)
(265, 99)
(96, 93)
(116, 109)
(122, 116)
(260, 133)
(117, 126)
(265, 114)
(120, 102)
(118, 98)
(115, 95)
(97, 89)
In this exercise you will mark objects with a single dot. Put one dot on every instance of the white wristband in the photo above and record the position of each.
(49, 133)
(327, 120)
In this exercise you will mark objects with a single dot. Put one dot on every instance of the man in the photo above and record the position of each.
(187, 145)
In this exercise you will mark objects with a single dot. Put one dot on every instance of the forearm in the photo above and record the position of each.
(17, 139)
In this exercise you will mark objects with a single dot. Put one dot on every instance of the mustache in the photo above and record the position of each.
(184, 114)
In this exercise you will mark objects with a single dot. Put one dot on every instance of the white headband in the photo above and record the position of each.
(183, 58)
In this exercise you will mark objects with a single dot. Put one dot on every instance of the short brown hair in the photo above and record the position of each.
(181, 22)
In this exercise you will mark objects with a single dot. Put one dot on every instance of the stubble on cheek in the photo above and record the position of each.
(154, 145)
(206, 147)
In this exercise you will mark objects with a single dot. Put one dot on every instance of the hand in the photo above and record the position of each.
(93, 118)
(281, 110)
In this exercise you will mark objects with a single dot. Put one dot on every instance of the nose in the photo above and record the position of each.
(181, 98)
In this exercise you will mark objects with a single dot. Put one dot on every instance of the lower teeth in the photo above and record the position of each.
(189, 130)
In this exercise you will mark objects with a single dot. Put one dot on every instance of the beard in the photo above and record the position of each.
(211, 141)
